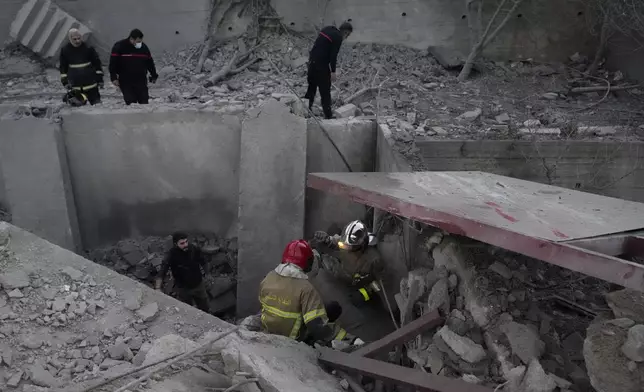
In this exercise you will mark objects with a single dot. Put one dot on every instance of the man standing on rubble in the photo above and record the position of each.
(130, 63)
(80, 68)
(322, 64)
(185, 261)
(358, 262)
(292, 307)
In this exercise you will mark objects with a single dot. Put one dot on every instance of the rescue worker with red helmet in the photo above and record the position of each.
(359, 263)
(291, 306)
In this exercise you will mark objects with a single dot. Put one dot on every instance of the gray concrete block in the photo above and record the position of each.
(356, 139)
(271, 195)
(36, 180)
(138, 172)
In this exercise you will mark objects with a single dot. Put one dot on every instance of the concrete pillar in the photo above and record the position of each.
(36, 180)
(272, 178)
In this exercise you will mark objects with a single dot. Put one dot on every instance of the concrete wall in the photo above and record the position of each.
(627, 55)
(356, 139)
(35, 180)
(142, 173)
(608, 168)
(554, 29)
(8, 11)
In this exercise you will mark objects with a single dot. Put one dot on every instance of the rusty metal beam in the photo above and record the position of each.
(401, 335)
(592, 263)
(398, 375)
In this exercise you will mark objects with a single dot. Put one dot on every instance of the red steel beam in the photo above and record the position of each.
(395, 374)
(401, 335)
(608, 268)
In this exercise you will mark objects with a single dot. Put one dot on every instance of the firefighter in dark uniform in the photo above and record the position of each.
(130, 63)
(81, 70)
(322, 63)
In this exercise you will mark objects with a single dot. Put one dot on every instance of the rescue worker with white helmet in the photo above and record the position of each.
(291, 306)
(359, 261)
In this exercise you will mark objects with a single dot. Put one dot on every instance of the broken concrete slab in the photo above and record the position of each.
(167, 346)
(633, 348)
(280, 363)
(608, 367)
(346, 111)
(273, 140)
(524, 341)
(42, 26)
(14, 280)
(536, 379)
(464, 347)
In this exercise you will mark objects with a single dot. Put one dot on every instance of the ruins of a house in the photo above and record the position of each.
(495, 283)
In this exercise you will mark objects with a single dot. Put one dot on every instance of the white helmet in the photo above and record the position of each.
(355, 236)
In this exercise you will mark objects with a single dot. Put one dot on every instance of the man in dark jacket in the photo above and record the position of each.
(322, 63)
(185, 262)
(130, 63)
(80, 68)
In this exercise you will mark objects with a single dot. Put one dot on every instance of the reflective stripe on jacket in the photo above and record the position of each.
(289, 302)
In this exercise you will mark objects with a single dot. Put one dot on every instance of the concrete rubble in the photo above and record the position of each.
(504, 326)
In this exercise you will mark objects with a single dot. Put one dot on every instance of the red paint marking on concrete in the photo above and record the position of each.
(559, 234)
(506, 216)
(492, 204)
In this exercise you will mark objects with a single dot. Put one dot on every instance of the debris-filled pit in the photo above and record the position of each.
(141, 259)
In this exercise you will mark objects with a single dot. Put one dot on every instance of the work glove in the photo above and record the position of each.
(321, 237)
(153, 78)
(64, 81)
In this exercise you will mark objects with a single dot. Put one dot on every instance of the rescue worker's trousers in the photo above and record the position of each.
(92, 94)
(195, 297)
(135, 92)
(319, 78)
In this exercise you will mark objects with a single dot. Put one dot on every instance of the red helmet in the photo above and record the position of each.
(298, 252)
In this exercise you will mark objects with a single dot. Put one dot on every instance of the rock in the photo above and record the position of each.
(502, 270)
(457, 322)
(59, 305)
(439, 296)
(447, 57)
(633, 348)
(72, 273)
(7, 357)
(550, 96)
(503, 118)
(536, 380)
(208, 65)
(432, 85)
(167, 72)
(346, 111)
(120, 351)
(598, 131)
(34, 388)
(148, 312)
(41, 377)
(471, 379)
(627, 303)
(14, 280)
(109, 363)
(167, 346)
(560, 382)
(532, 123)
(524, 341)
(471, 115)
(15, 378)
(435, 359)
(31, 342)
(464, 347)
(131, 252)
(622, 322)
(607, 366)
(135, 343)
(133, 300)
(15, 293)
(299, 62)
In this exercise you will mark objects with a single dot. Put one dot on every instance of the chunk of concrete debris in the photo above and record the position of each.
(15, 379)
(501, 269)
(550, 96)
(471, 115)
(133, 300)
(622, 322)
(120, 351)
(439, 296)
(524, 341)
(41, 377)
(503, 118)
(536, 379)
(34, 388)
(627, 303)
(167, 346)
(463, 346)
(633, 348)
(346, 111)
(15, 293)
(598, 131)
(72, 273)
(532, 123)
(148, 312)
(14, 280)
(608, 367)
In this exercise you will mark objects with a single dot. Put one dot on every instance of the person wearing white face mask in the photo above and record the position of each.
(130, 63)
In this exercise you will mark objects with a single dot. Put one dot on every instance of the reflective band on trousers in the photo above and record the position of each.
(83, 65)
(296, 317)
(91, 86)
(341, 335)
(364, 293)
